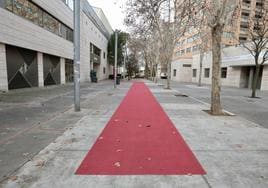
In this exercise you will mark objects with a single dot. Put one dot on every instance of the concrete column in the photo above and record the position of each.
(40, 65)
(251, 77)
(3, 68)
(264, 82)
(62, 71)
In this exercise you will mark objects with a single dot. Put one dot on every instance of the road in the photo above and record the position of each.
(235, 100)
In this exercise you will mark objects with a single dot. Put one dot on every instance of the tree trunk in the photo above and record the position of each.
(216, 32)
(255, 81)
(155, 76)
(147, 70)
(200, 70)
(168, 75)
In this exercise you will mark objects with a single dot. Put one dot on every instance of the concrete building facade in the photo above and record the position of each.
(36, 43)
(237, 69)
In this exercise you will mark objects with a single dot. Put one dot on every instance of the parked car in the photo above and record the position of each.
(163, 75)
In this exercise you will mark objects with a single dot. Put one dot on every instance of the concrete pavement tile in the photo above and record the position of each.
(235, 169)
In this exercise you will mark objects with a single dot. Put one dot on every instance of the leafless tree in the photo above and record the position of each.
(203, 39)
(170, 18)
(219, 13)
(257, 43)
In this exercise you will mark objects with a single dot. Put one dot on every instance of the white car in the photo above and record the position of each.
(163, 75)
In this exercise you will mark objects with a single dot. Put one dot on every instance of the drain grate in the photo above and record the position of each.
(181, 95)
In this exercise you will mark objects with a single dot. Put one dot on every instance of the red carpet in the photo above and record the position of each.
(140, 139)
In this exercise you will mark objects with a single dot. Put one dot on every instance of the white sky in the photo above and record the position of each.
(114, 11)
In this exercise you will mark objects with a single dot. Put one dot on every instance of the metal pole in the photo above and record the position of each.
(77, 55)
(125, 57)
(115, 57)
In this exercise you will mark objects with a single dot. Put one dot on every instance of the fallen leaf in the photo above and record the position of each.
(101, 138)
(25, 154)
(69, 141)
(13, 178)
(40, 163)
(140, 125)
(117, 164)
(149, 158)
(119, 150)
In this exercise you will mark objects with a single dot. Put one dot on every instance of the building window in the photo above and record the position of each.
(174, 73)
(104, 70)
(194, 73)
(190, 40)
(51, 24)
(187, 65)
(196, 36)
(207, 71)
(177, 54)
(224, 72)
(242, 39)
(104, 55)
(228, 35)
(178, 44)
(69, 3)
(188, 50)
(195, 48)
(30, 11)
(27, 10)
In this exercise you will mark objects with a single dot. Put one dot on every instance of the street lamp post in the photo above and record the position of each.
(115, 57)
(77, 55)
(125, 58)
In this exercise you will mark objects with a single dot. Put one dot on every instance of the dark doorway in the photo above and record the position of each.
(51, 70)
(247, 80)
(22, 67)
(69, 71)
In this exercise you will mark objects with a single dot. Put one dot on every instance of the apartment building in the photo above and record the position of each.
(185, 66)
(36, 43)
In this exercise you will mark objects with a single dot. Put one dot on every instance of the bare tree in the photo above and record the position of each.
(219, 13)
(203, 40)
(257, 43)
(204, 46)
(170, 18)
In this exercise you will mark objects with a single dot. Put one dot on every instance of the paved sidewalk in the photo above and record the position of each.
(232, 150)
(233, 99)
(33, 118)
